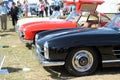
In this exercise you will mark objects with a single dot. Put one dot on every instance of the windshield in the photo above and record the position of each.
(115, 22)
(55, 15)
(73, 16)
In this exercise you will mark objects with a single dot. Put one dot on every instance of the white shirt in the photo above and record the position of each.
(51, 2)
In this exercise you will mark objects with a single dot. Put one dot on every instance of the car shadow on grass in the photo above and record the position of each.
(12, 70)
(61, 73)
(58, 72)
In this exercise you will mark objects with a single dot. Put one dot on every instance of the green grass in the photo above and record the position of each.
(18, 57)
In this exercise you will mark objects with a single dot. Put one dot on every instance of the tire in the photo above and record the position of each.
(29, 46)
(82, 62)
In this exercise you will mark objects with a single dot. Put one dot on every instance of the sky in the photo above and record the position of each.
(109, 6)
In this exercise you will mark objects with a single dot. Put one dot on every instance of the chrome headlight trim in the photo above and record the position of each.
(36, 38)
(24, 30)
(46, 50)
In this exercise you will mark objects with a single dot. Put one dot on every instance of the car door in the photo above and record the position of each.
(116, 49)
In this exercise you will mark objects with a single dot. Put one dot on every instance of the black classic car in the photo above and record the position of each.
(81, 50)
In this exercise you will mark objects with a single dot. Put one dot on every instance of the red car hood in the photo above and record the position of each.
(48, 25)
(31, 23)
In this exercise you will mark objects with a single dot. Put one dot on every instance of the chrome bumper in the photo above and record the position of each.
(24, 40)
(45, 62)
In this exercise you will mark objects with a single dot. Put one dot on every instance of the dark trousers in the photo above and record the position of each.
(41, 14)
(46, 11)
(14, 20)
(51, 9)
(4, 21)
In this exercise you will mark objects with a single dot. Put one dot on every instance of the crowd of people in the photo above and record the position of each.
(18, 9)
(44, 7)
(48, 6)
(14, 12)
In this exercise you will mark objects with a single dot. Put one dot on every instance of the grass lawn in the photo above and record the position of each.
(18, 58)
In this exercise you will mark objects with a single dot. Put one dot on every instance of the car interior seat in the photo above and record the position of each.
(94, 26)
(90, 25)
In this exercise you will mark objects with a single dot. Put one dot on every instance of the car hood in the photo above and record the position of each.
(28, 20)
(71, 33)
(48, 25)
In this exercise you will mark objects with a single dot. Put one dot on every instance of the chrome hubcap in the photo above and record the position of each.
(82, 60)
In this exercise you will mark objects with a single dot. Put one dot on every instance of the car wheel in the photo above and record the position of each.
(81, 62)
(29, 46)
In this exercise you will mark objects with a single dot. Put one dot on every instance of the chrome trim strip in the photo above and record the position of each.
(26, 41)
(45, 62)
(115, 50)
(48, 63)
(110, 61)
(117, 54)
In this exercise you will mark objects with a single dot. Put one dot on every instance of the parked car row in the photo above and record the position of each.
(74, 20)
(82, 42)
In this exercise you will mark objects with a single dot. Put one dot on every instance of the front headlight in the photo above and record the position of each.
(46, 50)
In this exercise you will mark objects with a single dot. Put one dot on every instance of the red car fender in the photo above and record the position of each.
(32, 30)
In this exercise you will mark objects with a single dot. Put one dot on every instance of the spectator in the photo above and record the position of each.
(19, 7)
(56, 13)
(51, 6)
(41, 8)
(9, 7)
(14, 13)
(3, 10)
(73, 7)
(57, 4)
(25, 8)
(46, 8)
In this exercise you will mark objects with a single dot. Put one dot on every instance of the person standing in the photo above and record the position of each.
(41, 8)
(14, 14)
(57, 4)
(51, 6)
(3, 10)
(25, 8)
(46, 8)
(20, 10)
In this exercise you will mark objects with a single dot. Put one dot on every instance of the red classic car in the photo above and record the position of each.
(75, 19)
